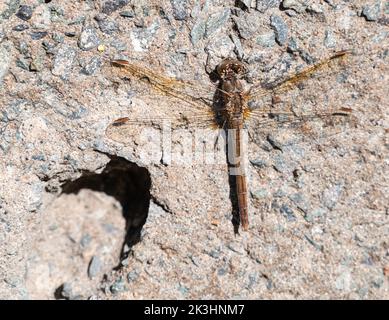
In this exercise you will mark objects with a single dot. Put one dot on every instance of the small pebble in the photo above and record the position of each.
(280, 29)
(267, 40)
(57, 13)
(287, 213)
(142, 37)
(59, 38)
(63, 61)
(329, 39)
(221, 272)
(20, 27)
(180, 9)
(95, 266)
(198, 31)
(113, 5)
(49, 46)
(292, 45)
(78, 20)
(371, 13)
(24, 12)
(216, 21)
(315, 215)
(297, 5)
(91, 67)
(264, 5)
(118, 286)
(23, 47)
(5, 59)
(132, 275)
(85, 240)
(22, 63)
(331, 195)
(236, 247)
(259, 194)
(70, 34)
(36, 64)
(247, 25)
(106, 25)
(127, 14)
(88, 39)
(220, 47)
(38, 35)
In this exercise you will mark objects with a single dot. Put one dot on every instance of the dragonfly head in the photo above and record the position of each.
(231, 69)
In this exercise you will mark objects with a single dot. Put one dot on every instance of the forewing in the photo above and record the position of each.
(277, 87)
(158, 102)
(198, 96)
(312, 109)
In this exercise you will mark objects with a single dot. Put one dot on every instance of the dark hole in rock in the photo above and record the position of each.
(127, 183)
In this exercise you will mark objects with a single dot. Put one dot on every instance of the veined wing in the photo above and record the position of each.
(314, 126)
(311, 111)
(197, 96)
(143, 116)
(166, 102)
(261, 90)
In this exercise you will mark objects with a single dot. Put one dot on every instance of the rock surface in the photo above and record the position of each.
(85, 216)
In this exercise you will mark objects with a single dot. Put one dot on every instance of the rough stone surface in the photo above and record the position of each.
(88, 212)
(180, 9)
(280, 28)
(89, 38)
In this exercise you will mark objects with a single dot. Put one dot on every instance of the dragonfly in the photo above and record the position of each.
(230, 105)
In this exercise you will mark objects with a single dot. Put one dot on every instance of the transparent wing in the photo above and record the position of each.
(197, 96)
(292, 129)
(161, 101)
(305, 110)
(277, 87)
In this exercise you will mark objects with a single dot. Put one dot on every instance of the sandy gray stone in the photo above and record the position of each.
(296, 5)
(238, 46)
(92, 66)
(63, 61)
(106, 25)
(142, 37)
(88, 39)
(264, 5)
(10, 8)
(267, 39)
(5, 59)
(329, 40)
(216, 21)
(21, 27)
(371, 13)
(38, 35)
(24, 12)
(118, 286)
(180, 9)
(95, 267)
(247, 25)
(280, 29)
(198, 30)
(111, 6)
